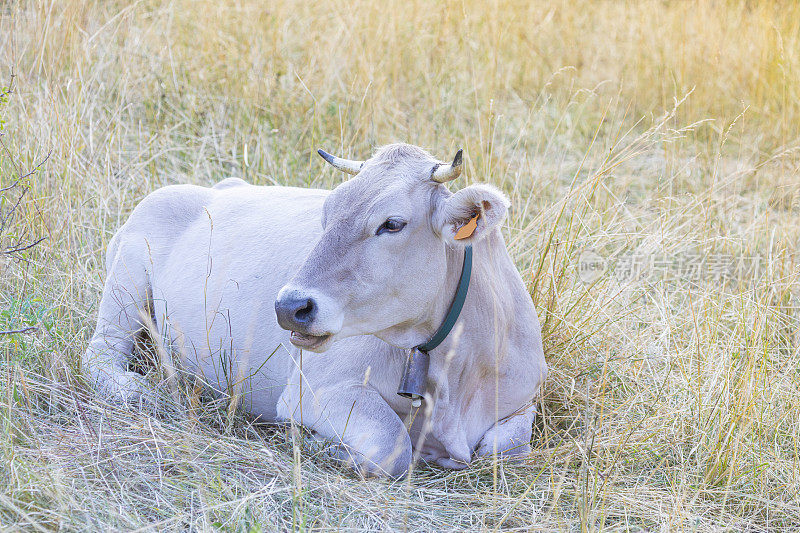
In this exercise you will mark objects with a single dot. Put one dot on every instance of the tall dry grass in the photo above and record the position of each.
(672, 402)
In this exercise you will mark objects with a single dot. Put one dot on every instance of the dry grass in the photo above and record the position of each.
(673, 399)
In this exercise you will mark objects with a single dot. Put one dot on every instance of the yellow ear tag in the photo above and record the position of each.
(467, 229)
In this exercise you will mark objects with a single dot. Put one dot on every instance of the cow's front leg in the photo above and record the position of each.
(119, 321)
(509, 436)
(366, 433)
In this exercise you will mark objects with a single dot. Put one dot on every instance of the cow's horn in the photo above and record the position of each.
(443, 173)
(345, 165)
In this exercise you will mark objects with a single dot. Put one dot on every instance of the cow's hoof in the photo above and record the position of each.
(394, 464)
(513, 453)
(125, 388)
(452, 464)
(397, 467)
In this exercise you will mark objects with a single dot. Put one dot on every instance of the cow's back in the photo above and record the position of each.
(216, 259)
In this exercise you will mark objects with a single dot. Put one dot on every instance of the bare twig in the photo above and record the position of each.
(29, 329)
(22, 241)
(31, 172)
(10, 89)
(18, 249)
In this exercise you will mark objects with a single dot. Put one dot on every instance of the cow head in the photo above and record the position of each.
(381, 262)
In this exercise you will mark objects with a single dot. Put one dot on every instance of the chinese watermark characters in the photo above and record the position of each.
(687, 266)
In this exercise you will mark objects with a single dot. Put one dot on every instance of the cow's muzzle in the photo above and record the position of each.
(295, 311)
(299, 312)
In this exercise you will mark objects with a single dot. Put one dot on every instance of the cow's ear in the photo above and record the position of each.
(471, 213)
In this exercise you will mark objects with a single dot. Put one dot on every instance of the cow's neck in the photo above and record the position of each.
(481, 329)
(469, 365)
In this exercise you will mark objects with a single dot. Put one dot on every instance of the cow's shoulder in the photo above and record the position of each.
(229, 183)
(173, 204)
(162, 216)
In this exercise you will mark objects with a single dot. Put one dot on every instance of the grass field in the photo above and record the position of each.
(658, 140)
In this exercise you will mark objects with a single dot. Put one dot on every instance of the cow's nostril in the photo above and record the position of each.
(295, 311)
(306, 312)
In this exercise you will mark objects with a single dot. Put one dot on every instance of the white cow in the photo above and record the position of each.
(362, 273)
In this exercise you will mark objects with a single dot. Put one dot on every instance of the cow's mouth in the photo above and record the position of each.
(310, 342)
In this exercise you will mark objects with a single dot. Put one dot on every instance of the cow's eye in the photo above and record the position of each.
(392, 225)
